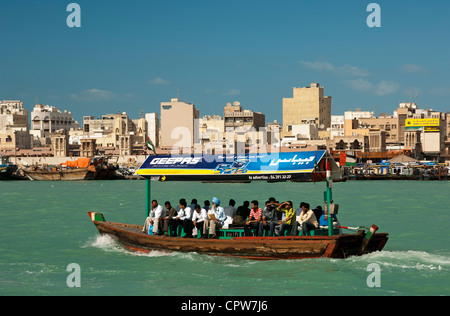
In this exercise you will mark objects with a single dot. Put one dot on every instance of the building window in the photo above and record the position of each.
(167, 107)
(355, 145)
(341, 145)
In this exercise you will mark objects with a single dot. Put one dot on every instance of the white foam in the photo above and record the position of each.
(104, 242)
(109, 244)
(418, 260)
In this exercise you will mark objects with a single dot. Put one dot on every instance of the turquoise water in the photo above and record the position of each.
(45, 227)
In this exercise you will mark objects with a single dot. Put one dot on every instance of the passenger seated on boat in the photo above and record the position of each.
(230, 213)
(153, 218)
(307, 221)
(323, 221)
(168, 219)
(199, 218)
(269, 218)
(230, 210)
(207, 205)
(286, 224)
(318, 212)
(192, 206)
(181, 216)
(216, 219)
(242, 213)
(254, 219)
(187, 221)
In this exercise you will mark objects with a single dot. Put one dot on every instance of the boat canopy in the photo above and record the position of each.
(79, 163)
(278, 166)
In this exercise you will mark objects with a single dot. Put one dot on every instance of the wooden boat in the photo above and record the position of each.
(259, 248)
(329, 244)
(42, 174)
(80, 169)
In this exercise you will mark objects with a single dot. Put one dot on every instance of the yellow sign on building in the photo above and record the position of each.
(422, 122)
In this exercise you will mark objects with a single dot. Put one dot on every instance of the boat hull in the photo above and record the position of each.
(65, 175)
(259, 248)
(6, 172)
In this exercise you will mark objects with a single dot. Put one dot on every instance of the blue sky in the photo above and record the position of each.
(132, 55)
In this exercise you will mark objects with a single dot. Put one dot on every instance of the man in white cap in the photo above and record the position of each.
(216, 218)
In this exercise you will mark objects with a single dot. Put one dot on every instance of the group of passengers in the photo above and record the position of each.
(276, 219)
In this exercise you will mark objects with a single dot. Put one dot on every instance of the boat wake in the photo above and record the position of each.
(406, 260)
(108, 244)
(103, 242)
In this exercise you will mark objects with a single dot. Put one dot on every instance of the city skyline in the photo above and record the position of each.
(130, 57)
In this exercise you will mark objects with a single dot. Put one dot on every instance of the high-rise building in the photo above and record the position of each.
(308, 105)
(178, 124)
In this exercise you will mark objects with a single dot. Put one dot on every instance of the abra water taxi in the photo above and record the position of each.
(308, 166)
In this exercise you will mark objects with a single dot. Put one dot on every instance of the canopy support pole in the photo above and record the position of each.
(329, 186)
(148, 192)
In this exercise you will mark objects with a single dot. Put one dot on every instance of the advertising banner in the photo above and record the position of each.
(247, 167)
(422, 122)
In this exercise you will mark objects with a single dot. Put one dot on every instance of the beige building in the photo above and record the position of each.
(178, 120)
(384, 123)
(274, 134)
(448, 126)
(238, 131)
(429, 128)
(422, 131)
(352, 127)
(337, 126)
(211, 128)
(245, 130)
(362, 122)
(302, 132)
(47, 119)
(14, 128)
(88, 148)
(116, 131)
(60, 143)
(308, 105)
(237, 118)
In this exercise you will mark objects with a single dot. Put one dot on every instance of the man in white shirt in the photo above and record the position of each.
(153, 218)
(184, 219)
(307, 221)
(199, 218)
(179, 219)
(187, 221)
